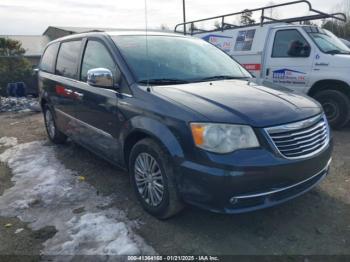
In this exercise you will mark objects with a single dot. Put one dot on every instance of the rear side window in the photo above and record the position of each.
(96, 56)
(67, 59)
(244, 41)
(47, 63)
(290, 43)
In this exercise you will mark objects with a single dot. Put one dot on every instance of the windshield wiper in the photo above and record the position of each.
(337, 52)
(163, 81)
(333, 52)
(219, 77)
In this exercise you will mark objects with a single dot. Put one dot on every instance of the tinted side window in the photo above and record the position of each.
(67, 59)
(96, 56)
(290, 43)
(47, 63)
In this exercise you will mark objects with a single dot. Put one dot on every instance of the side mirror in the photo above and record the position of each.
(100, 77)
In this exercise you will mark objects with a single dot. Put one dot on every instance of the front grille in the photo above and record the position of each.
(300, 139)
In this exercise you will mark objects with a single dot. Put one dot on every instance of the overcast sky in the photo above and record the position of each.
(34, 16)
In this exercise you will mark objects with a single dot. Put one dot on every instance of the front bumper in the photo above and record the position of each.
(252, 180)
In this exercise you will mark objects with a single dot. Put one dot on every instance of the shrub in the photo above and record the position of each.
(13, 66)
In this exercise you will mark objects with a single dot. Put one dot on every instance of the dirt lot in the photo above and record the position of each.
(316, 223)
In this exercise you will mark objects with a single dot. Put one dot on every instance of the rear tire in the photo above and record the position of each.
(55, 135)
(336, 106)
(156, 179)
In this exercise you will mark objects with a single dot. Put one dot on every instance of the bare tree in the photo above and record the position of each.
(217, 24)
(164, 27)
(272, 12)
(339, 28)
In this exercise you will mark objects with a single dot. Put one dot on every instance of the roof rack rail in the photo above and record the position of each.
(191, 28)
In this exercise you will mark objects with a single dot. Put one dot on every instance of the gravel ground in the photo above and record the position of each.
(317, 223)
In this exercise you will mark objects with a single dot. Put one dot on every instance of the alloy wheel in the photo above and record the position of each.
(149, 179)
(50, 124)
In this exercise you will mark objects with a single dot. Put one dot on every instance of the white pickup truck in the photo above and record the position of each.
(303, 58)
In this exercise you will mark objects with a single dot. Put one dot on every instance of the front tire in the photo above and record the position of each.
(52, 131)
(336, 106)
(153, 179)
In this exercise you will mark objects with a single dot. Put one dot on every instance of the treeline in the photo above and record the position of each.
(341, 30)
(338, 28)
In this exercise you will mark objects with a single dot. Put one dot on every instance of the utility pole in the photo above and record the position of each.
(184, 14)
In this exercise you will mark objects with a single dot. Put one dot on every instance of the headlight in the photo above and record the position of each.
(223, 138)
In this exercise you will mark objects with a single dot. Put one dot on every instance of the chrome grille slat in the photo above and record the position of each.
(300, 148)
(318, 136)
(303, 151)
(300, 139)
(298, 133)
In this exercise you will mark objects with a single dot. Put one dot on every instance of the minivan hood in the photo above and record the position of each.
(241, 102)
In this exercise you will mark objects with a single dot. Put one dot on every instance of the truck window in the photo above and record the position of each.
(96, 56)
(244, 41)
(47, 63)
(290, 43)
(327, 41)
(67, 59)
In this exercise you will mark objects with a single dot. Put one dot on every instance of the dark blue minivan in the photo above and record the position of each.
(185, 120)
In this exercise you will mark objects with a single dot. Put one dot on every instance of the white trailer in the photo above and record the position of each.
(303, 58)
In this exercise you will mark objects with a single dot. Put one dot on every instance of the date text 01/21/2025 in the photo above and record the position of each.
(173, 258)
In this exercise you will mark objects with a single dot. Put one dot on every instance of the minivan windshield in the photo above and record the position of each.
(326, 41)
(176, 60)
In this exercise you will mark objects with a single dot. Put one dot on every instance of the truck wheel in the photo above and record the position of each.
(152, 176)
(53, 133)
(336, 106)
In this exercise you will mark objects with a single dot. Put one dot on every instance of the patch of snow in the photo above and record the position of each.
(19, 104)
(45, 193)
(14, 123)
(103, 229)
(8, 141)
(19, 230)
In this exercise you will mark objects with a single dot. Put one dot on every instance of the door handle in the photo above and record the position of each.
(80, 95)
(68, 91)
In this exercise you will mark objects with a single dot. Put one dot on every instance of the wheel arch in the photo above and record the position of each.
(144, 127)
(44, 99)
(43, 102)
(330, 84)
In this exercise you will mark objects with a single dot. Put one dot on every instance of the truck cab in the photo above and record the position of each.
(311, 60)
(283, 53)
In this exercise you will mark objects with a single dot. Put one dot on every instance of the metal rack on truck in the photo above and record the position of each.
(290, 52)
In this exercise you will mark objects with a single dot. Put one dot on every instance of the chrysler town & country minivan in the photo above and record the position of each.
(184, 119)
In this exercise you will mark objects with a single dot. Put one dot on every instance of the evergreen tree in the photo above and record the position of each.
(246, 18)
(13, 66)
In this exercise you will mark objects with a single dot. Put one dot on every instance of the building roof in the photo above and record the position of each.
(72, 29)
(33, 44)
